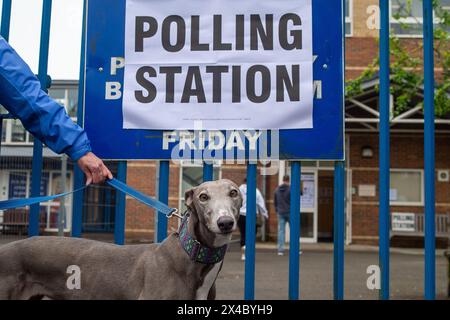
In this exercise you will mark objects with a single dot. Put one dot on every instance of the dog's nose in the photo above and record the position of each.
(225, 224)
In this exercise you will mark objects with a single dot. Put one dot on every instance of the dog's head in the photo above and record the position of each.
(216, 204)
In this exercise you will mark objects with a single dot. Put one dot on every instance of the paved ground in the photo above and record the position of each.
(316, 272)
(316, 279)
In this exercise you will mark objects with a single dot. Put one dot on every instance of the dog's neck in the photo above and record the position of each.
(199, 243)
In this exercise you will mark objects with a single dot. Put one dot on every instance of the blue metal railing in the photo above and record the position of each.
(6, 19)
(384, 184)
(77, 210)
(339, 230)
(33, 226)
(294, 224)
(339, 172)
(119, 224)
(163, 196)
(429, 141)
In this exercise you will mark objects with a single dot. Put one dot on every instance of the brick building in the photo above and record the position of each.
(407, 179)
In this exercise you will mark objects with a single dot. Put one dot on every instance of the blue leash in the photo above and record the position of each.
(153, 203)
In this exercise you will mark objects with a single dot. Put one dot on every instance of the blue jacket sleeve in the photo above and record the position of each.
(22, 96)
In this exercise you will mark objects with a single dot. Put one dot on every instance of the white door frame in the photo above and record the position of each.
(314, 211)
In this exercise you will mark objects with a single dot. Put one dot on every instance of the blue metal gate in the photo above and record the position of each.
(339, 172)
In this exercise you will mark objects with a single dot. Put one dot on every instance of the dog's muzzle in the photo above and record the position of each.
(225, 224)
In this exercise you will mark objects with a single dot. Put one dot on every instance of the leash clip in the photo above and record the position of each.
(175, 213)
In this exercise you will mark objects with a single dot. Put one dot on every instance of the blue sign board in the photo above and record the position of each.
(103, 119)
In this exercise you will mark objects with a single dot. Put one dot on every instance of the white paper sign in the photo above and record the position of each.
(230, 64)
(308, 196)
(367, 190)
(403, 222)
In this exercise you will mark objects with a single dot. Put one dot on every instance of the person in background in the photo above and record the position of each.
(260, 209)
(282, 202)
(21, 94)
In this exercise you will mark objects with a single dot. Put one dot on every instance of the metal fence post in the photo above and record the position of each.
(6, 19)
(119, 219)
(250, 233)
(163, 196)
(62, 204)
(294, 224)
(33, 226)
(77, 203)
(339, 229)
(4, 32)
(384, 178)
(208, 172)
(429, 147)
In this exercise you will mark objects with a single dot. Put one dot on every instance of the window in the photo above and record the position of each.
(13, 131)
(407, 17)
(19, 186)
(72, 102)
(59, 95)
(67, 97)
(192, 176)
(3, 132)
(18, 133)
(406, 187)
(348, 18)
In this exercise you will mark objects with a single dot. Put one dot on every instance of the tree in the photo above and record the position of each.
(407, 66)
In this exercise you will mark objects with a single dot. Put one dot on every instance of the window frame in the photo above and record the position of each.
(52, 203)
(189, 164)
(8, 123)
(349, 19)
(409, 21)
(420, 203)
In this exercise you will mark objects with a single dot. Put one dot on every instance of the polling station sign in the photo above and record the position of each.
(227, 64)
(245, 74)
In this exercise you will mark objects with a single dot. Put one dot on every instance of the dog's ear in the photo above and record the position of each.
(241, 199)
(189, 198)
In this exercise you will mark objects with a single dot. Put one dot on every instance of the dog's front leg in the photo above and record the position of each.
(212, 292)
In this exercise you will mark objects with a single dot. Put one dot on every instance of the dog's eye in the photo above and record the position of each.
(203, 197)
(233, 193)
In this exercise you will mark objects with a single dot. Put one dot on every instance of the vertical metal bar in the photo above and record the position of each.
(78, 197)
(33, 226)
(62, 204)
(119, 219)
(107, 211)
(155, 236)
(4, 32)
(1, 133)
(208, 172)
(250, 233)
(6, 19)
(384, 185)
(429, 146)
(339, 223)
(264, 193)
(163, 196)
(294, 224)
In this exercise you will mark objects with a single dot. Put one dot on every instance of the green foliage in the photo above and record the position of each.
(407, 66)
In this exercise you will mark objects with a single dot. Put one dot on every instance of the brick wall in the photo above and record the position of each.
(406, 153)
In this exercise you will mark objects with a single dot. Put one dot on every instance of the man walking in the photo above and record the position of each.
(282, 201)
(260, 209)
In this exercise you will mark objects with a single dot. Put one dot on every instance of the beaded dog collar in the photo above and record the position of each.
(197, 251)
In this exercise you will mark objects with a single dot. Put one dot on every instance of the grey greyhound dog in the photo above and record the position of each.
(184, 266)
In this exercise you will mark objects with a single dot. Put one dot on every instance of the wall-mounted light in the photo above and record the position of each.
(367, 152)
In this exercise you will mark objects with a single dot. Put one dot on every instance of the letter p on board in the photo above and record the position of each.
(116, 63)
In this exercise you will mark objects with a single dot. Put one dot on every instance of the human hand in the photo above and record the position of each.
(94, 168)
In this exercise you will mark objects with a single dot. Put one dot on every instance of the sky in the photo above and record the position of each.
(65, 35)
